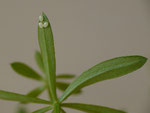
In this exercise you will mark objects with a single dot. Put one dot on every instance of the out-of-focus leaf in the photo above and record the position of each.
(43, 110)
(36, 92)
(63, 86)
(65, 76)
(109, 69)
(91, 108)
(39, 61)
(24, 70)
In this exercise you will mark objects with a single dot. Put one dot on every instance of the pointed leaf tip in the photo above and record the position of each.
(25, 70)
(43, 110)
(109, 69)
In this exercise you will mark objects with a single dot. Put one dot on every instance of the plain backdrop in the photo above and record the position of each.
(86, 32)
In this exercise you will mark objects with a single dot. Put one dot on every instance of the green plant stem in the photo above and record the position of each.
(57, 108)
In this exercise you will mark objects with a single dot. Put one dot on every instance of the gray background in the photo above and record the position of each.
(86, 32)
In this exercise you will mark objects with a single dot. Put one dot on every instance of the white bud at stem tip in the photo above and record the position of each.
(45, 24)
(40, 18)
(40, 25)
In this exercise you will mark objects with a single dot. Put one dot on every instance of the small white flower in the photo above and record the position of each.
(41, 25)
(40, 18)
(45, 24)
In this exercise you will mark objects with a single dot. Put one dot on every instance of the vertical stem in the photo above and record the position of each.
(57, 108)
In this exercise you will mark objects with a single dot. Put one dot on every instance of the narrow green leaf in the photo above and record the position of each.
(25, 70)
(21, 98)
(91, 108)
(63, 86)
(36, 92)
(65, 76)
(39, 60)
(109, 69)
(46, 43)
(43, 110)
